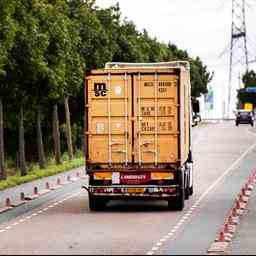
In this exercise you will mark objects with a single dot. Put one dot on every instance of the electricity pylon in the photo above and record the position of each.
(238, 51)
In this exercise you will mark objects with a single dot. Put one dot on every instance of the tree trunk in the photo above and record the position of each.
(40, 145)
(56, 134)
(68, 130)
(22, 159)
(2, 164)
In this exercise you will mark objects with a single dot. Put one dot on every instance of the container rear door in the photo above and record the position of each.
(156, 138)
(109, 119)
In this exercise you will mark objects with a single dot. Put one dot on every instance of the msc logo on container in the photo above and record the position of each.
(100, 89)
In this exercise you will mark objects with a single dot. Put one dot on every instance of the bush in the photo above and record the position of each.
(36, 173)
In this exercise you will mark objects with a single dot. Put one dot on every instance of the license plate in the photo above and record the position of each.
(136, 190)
(162, 176)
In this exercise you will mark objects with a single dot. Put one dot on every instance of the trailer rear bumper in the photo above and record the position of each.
(134, 192)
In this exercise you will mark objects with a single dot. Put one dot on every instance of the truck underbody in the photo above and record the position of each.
(173, 186)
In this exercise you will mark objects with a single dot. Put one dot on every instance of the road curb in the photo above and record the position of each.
(9, 204)
(225, 235)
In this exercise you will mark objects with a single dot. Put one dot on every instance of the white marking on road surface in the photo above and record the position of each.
(195, 205)
(2, 230)
(40, 211)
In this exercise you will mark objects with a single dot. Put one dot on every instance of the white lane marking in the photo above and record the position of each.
(227, 171)
(40, 211)
(155, 248)
(2, 230)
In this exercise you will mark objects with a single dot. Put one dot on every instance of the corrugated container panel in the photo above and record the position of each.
(109, 119)
(138, 116)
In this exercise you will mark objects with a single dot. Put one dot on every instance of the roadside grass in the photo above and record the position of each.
(34, 172)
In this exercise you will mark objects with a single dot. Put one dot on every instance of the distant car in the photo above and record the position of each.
(244, 117)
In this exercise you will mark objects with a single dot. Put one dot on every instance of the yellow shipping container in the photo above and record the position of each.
(138, 115)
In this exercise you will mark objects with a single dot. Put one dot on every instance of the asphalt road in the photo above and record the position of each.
(61, 223)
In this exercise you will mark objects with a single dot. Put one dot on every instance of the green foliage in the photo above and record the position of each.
(36, 173)
(249, 79)
(45, 48)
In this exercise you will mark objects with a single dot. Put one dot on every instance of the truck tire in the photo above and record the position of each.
(191, 191)
(179, 202)
(96, 204)
(187, 194)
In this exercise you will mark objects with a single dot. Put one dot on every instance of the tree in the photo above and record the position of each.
(249, 78)
(7, 33)
(65, 67)
(25, 66)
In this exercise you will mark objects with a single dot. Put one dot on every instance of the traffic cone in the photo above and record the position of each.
(234, 212)
(22, 196)
(221, 237)
(8, 202)
(47, 185)
(238, 206)
(35, 191)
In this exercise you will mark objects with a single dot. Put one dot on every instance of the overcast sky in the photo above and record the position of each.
(202, 27)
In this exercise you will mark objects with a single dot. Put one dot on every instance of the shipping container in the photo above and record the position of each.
(138, 133)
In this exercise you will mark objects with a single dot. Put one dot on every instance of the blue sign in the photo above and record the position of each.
(209, 99)
(250, 89)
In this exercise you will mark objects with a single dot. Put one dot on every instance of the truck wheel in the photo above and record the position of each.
(191, 191)
(96, 204)
(187, 194)
(179, 202)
